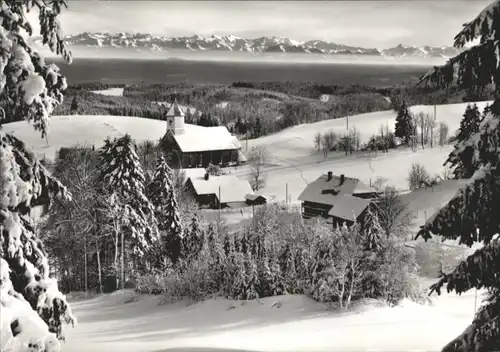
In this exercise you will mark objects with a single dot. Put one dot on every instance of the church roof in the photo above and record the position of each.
(200, 138)
(175, 110)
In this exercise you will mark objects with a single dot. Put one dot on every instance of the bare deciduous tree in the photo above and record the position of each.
(392, 213)
(429, 126)
(258, 157)
(328, 142)
(418, 176)
(355, 138)
(443, 131)
(317, 141)
(341, 257)
(147, 152)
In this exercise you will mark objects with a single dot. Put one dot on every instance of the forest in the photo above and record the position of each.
(257, 108)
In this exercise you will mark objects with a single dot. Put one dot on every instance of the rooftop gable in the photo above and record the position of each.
(347, 207)
(232, 189)
(324, 192)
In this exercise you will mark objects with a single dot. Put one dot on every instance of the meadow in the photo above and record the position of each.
(133, 71)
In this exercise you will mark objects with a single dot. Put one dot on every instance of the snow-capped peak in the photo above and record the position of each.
(147, 41)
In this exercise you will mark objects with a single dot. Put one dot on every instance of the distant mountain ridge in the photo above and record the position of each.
(148, 42)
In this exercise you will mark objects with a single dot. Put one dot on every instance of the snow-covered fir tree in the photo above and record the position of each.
(404, 124)
(289, 272)
(239, 274)
(32, 307)
(472, 215)
(121, 174)
(253, 282)
(460, 159)
(192, 241)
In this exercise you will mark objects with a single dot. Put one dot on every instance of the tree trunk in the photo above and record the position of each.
(99, 271)
(85, 263)
(116, 259)
(122, 259)
(351, 288)
(423, 127)
(342, 292)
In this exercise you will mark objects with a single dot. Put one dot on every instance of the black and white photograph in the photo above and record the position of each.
(249, 176)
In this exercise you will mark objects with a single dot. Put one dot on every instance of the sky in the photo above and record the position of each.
(375, 23)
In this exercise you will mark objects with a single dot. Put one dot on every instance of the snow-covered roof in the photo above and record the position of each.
(193, 172)
(175, 110)
(200, 138)
(347, 207)
(318, 190)
(232, 189)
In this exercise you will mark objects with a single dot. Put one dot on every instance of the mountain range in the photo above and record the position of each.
(148, 42)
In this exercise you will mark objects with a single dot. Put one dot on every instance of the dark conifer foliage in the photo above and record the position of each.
(404, 125)
(472, 215)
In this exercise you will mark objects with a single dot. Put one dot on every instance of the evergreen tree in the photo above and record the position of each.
(239, 274)
(257, 128)
(461, 158)
(121, 174)
(287, 265)
(472, 215)
(253, 282)
(404, 128)
(164, 199)
(74, 106)
(33, 309)
(192, 242)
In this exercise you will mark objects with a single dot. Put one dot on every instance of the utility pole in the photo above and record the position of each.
(286, 191)
(475, 301)
(218, 222)
(85, 261)
(246, 140)
(347, 121)
(253, 216)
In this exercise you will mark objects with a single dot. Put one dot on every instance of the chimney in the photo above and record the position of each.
(342, 179)
(206, 176)
(330, 175)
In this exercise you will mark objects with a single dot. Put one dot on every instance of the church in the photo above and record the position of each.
(191, 146)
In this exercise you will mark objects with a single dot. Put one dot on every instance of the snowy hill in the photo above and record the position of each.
(296, 324)
(65, 131)
(294, 161)
(142, 41)
(297, 141)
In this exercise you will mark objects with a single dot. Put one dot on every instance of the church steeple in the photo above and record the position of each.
(175, 118)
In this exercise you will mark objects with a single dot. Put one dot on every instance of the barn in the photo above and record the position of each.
(191, 146)
(339, 198)
(219, 191)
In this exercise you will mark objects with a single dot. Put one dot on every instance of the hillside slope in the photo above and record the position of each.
(297, 141)
(297, 324)
(65, 131)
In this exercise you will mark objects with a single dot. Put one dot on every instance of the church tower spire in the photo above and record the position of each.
(175, 118)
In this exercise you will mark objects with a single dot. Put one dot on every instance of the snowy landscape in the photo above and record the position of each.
(258, 216)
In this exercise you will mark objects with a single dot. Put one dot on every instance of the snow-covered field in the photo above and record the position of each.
(293, 150)
(114, 92)
(296, 324)
(65, 131)
(297, 141)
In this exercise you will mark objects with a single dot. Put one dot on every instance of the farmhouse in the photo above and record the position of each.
(343, 199)
(192, 146)
(219, 191)
(255, 199)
